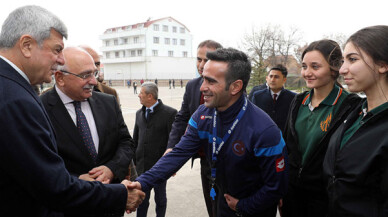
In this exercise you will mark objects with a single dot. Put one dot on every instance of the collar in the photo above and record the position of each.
(153, 106)
(374, 111)
(16, 68)
(65, 99)
(230, 113)
(330, 100)
(278, 93)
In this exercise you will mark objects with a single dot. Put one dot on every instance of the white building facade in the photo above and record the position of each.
(159, 49)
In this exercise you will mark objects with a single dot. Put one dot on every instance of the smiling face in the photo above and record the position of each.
(45, 58)
(316, 71)
(78, 62)
(359, 70)
(214, 86)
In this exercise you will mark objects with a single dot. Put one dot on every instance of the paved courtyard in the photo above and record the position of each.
(184, 191)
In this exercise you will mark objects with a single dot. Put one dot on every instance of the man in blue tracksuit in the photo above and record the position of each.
(245, 147)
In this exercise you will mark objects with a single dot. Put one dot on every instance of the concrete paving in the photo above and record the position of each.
(184, 191)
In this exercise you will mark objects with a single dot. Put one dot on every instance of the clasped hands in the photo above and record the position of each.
(135, 195)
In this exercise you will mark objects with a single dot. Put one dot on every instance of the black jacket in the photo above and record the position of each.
(358, 173)
(310, 176)
(151, 136)
(278, 111)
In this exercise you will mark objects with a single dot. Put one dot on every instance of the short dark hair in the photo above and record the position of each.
(280, 68)
(330, 50)
(239, 66)
(210, 44)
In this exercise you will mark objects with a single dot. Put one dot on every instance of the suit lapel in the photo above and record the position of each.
(62, 117)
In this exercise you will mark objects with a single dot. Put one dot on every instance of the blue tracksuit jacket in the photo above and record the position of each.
(252, 166)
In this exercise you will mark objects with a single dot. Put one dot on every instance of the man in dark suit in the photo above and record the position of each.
(275, 100)
(33, 176)
(100, 87)
(152, 128)
(191, 100)
(112, 142)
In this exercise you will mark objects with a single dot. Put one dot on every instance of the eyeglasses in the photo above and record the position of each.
(84, 76)
(97, 64)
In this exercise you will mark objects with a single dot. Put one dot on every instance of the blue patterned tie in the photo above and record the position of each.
(84, 131)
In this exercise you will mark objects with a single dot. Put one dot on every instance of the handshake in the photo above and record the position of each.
(135, 195)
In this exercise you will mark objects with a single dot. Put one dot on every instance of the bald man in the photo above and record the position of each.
(100, 87)
(99, 148)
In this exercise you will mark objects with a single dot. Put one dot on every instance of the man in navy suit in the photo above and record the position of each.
(275, 100)
(33, 176)
(191, 100)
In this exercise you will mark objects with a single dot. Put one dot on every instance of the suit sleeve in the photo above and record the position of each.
(29, 158)
(174, 160)
(125, 149)
(181, 120)
(273, 162)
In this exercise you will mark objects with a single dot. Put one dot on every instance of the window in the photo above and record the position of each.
(117, 54)
(107, 55)
(182, 41)
(174, 41)
(184, 54)
(136, 40)
(125, 40)
(170, 53)
(107, 43)
(167, 40)
(123, 53)
(156, 27)
(156, 40)
(165, 28)
(182, 30)
(174, 29)
(116, 42)
(140, 52)
(133, 53)
(155, 53)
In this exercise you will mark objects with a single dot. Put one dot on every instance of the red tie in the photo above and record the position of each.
(274, 97)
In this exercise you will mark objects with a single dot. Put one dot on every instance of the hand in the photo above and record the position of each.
(102, 174)
(280, 206)
(134, 185)
(167, 151)
(135, 196)
(232, 202)
(86, 177)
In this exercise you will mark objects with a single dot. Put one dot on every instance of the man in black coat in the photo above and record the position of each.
(152, 128)
(191, 100)
(275, 100)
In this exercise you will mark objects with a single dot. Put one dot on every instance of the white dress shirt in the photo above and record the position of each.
(85, 107)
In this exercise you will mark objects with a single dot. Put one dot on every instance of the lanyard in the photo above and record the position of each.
(216, 149)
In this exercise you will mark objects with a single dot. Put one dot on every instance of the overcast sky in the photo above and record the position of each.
(225, 21)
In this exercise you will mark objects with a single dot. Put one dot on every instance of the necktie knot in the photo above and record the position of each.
(77, 104)
(148, 111)
(274, 97)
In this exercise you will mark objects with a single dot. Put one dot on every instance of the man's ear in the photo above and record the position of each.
(235, 87)
(26, 43)
(59, 78)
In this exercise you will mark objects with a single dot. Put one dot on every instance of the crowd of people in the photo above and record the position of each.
(68, 152)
